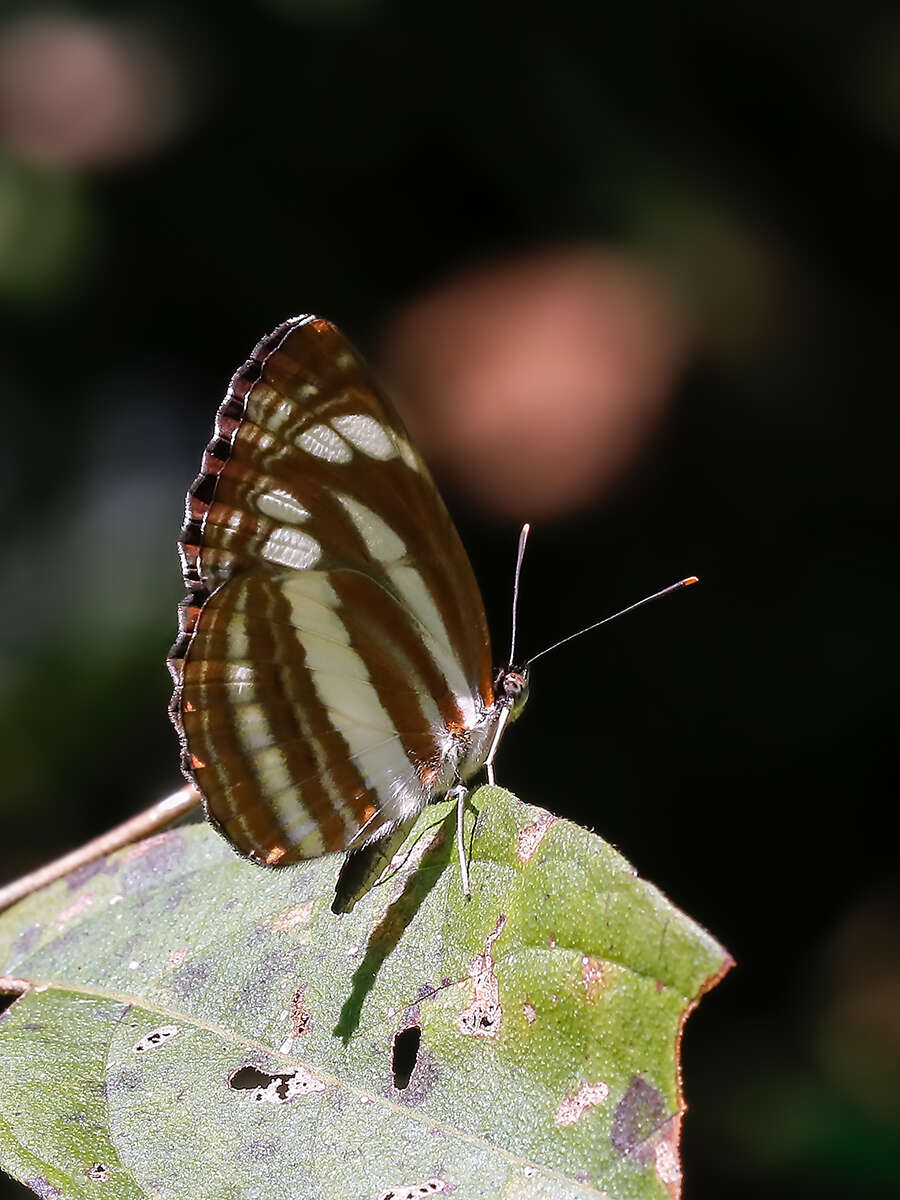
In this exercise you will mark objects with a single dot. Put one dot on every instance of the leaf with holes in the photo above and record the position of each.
(191, 1026)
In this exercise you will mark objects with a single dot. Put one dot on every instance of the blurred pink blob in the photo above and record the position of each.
(76, 92)
(534, 383)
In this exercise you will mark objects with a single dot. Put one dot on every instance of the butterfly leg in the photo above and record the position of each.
(492, 753)
(460, 792)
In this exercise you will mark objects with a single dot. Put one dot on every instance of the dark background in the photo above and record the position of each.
(736, 741)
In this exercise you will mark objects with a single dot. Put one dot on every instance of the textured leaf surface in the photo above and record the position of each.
(199, 1027)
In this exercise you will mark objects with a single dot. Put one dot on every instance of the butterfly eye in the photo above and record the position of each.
(519, 696)
(515, 684)
(512, 684)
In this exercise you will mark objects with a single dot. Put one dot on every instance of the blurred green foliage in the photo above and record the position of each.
(45, 237)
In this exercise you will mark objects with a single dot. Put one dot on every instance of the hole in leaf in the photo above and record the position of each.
(154, 1038)
(406, 1051)
(275, 1089)
(248, 1078)
(10, 991)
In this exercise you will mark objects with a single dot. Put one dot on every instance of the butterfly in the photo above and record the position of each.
(332, 673)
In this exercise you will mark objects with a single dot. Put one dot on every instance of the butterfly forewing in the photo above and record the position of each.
(333, 648)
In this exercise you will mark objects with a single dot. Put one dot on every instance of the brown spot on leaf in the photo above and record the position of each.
(574, 1105)
(484, 1015)
(301, 1018)
(530, 1013)
(138, 849)
(154, 1038)
(413, 1191)
(298, 914)
(43, 1188)
(667, 1158)
(532, 835)
(595, 977)
(75, 909)
(98, 1173)
(176, 958)
(639, 1115)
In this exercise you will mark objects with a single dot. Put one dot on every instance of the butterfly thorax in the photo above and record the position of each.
(510, 695)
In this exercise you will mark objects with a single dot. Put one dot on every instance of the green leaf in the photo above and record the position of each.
(197, 1027)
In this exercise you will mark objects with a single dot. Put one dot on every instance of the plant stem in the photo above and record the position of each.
(151, 820)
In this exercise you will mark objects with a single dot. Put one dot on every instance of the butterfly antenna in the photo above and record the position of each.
(674, 587)
(523, 538)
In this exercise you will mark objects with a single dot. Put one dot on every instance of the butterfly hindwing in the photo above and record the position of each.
(334, 642)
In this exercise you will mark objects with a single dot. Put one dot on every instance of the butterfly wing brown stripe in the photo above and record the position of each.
(237, 707)
(310, 472)
(304, 377)
(279, 749)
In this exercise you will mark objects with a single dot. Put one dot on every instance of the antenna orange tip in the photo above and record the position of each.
(690, 579)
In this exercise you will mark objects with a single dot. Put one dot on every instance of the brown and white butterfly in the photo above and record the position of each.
(333, 670)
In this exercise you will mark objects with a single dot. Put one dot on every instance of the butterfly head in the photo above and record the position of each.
(511, 686)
